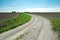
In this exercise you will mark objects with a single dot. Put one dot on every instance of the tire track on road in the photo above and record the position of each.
(34, 34)
(15, 31)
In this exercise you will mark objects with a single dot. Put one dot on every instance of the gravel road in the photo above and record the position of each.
(38, 28)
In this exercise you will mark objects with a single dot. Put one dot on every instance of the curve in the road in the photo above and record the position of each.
(16, 30)
(38, 28)
(35, 31)
(41, 32)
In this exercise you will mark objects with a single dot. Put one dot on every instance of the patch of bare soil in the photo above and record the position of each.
(6, 16)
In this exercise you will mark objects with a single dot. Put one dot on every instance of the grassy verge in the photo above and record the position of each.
(15, 22)
(56, 26)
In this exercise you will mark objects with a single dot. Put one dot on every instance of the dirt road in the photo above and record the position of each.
(38, 28)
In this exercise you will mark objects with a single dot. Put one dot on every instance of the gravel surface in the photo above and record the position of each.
(11, 34)
(39, 29)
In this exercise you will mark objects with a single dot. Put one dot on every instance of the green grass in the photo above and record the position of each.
(15, 22)
(55, 24)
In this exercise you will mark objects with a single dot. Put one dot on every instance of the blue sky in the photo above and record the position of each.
(21, 5)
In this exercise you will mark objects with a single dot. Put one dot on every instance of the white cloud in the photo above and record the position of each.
(41, 10)
(30, 9)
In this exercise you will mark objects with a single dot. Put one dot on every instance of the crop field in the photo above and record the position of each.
(49, 14)
(7, 16)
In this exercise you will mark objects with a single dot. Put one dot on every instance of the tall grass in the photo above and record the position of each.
(15, 22)
(55, 24)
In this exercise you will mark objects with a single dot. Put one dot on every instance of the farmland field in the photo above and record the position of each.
(6, 16)
(49, 14)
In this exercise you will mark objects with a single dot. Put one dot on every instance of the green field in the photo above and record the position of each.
(15, 22)
(55, 24)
